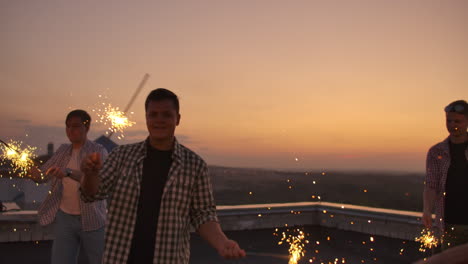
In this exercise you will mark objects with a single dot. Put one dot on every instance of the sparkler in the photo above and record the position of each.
(117, 119)
(114, 118)
(296, 243)
(21, 160)
(427, 240)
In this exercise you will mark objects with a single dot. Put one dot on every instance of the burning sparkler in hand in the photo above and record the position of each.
(114, 118)
(427, 240)
(296, 243)
(20, 159)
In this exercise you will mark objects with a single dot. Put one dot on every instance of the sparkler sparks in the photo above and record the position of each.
(20, 159)
(296, 242)
(114, 118)
(427, 240)
(117, 119)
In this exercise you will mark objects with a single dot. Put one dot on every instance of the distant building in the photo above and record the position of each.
(106, 142)
(50, 149)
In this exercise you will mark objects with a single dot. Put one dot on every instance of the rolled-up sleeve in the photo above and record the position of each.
(54, 160)
(107, 175)
(203, 208)
(433, 169)
(104, 154)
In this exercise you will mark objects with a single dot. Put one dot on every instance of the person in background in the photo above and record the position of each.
(77, 224)
(447, 179)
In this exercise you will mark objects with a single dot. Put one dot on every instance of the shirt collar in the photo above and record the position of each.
(446, 145)
(85, 146)
(176, 150)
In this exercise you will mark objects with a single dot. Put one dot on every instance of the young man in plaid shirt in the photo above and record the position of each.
(77, 224)
(447, 179)
(158, 189)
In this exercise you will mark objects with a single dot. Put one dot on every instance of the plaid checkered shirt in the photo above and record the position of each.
(187, 201)
(93, 215)
(437, 165)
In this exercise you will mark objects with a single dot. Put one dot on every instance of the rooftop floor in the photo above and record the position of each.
(262, 247)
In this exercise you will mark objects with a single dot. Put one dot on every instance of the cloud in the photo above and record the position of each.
(186, 140)
(130, 136)
(21, 121)
(133, 136)
(35, 135)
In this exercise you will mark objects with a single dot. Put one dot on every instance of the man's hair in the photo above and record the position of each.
(82, 114)
(459, 106)
(161, 94)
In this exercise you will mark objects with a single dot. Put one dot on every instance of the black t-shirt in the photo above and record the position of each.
(456, 199)
(155, 172)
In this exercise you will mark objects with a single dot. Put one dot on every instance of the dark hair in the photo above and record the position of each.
(459, 106)
(161, 94)
(82, 114)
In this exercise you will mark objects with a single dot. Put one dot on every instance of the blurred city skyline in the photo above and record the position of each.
(331, 85)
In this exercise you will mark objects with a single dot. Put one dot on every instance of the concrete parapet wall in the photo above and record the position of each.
(23, 225)
(368, 220)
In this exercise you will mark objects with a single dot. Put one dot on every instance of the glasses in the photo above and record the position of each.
(455, 108)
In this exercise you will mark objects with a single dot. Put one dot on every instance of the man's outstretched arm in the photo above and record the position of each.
(203, 217)
(431, 186)
(429, 197)
(212, 233)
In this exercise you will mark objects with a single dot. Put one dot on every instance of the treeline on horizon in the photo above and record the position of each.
(401, 191)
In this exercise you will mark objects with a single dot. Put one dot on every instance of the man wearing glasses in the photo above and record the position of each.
(447, 179)
(76, 224)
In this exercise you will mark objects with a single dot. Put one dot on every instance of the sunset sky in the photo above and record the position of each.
(331, 85)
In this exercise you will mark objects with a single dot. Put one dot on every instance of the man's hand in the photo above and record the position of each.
(91, 164)
(427, 219)
(56, 172)
(231, 250)
(36, 175)
(90, 167)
